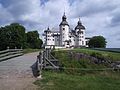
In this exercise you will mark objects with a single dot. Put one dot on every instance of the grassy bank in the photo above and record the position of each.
(80, 74)
(74, 65)
(106, 54)
(62, 81)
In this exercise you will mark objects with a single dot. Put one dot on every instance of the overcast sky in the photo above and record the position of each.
(100, 17)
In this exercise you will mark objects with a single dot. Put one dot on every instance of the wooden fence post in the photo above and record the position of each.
(40, 63)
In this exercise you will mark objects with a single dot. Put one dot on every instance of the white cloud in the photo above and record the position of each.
(100, 17)
(5, 16)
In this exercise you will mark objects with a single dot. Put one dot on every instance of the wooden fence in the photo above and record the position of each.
(10, 53)
(46, 61)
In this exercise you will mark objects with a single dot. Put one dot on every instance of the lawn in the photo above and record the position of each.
(61, 81)
(83, 75)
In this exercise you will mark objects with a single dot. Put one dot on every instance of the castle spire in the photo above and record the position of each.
(64, 21)
(64, 17)
(79, 21)
(64, 10)
(48, 28)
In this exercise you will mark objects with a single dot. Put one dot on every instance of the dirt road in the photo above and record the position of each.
(16, 73)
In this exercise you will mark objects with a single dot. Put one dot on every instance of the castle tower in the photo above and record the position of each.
(64, 32)
(80, 32)
(49, 39)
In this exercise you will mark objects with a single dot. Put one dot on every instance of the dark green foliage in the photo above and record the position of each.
(97, 42)
(33, 40)
(14, 35)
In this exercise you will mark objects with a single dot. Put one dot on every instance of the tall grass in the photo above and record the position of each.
(80, 74)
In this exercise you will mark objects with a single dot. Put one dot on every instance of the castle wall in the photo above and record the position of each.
(64, 34)
(50, 39)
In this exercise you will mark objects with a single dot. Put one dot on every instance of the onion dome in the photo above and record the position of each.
(79, 25)
(64, 22)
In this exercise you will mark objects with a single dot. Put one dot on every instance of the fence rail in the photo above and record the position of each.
(46, 61)
(10, 53)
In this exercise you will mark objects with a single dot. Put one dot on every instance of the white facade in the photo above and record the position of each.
(64, 32)
(65, 37)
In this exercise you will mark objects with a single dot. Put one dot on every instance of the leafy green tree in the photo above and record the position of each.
(12, 35)
(97, 42)
(33, 39)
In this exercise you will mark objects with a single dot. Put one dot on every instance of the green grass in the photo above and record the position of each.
(30, 50)
(84, 74)
(62, 81)
(73, 62)
(109, 55)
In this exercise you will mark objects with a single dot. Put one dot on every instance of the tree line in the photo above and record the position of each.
(15, 36)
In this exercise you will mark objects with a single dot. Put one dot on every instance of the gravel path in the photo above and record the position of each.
(16, 73)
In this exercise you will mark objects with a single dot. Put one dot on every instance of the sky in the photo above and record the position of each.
(100, 17)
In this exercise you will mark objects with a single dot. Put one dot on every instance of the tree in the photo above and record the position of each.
(33, 39)
(12, 35)
(97, 42)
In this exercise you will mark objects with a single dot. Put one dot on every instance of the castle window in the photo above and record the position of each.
(53, 39)
(63, 28)
(82, 42)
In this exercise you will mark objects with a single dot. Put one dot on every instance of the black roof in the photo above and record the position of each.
(48, 30)
(64, 22)
(79, 25)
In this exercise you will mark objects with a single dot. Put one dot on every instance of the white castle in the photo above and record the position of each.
(65, 37)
